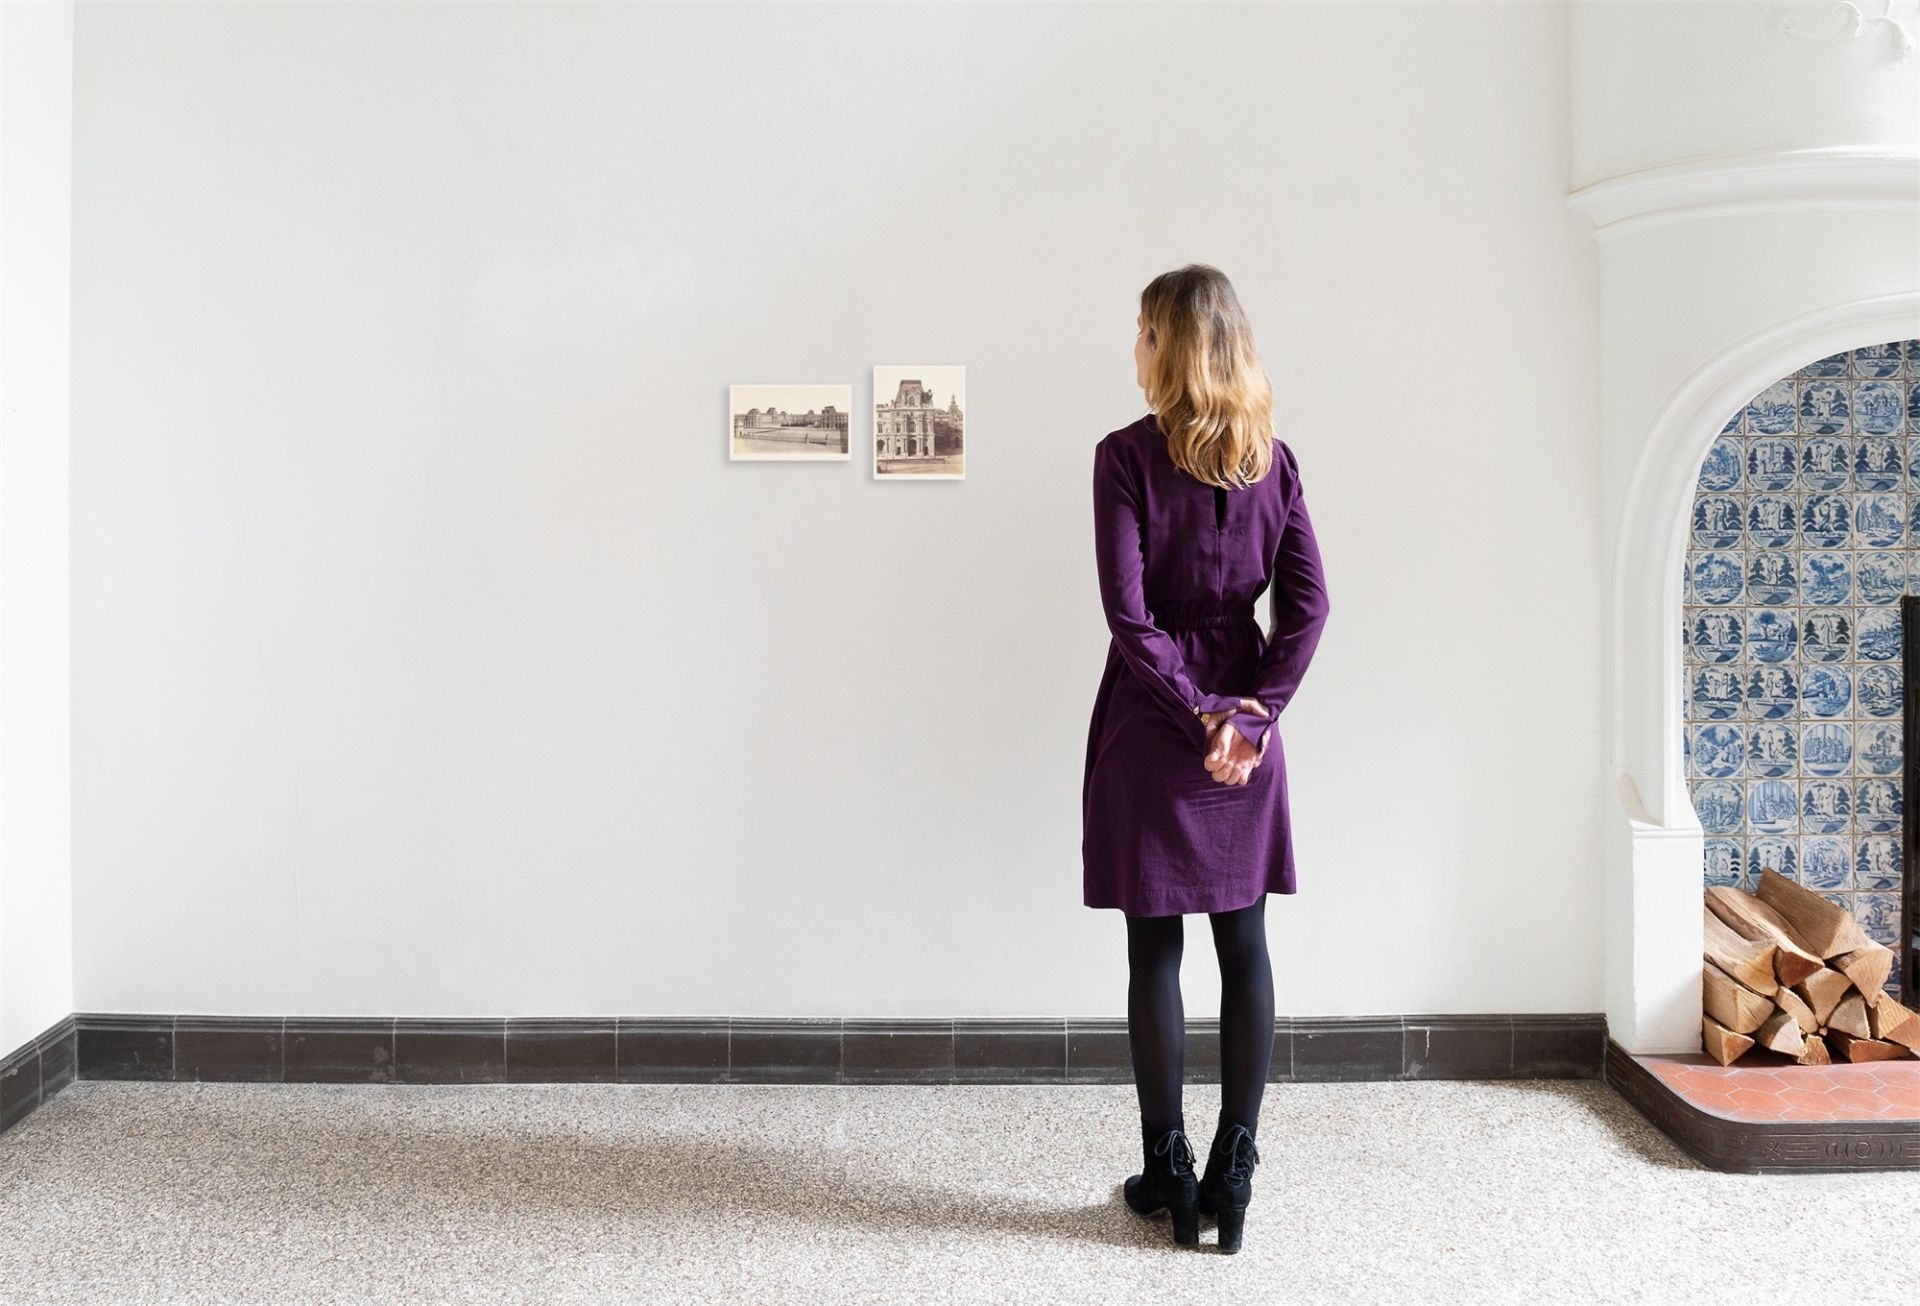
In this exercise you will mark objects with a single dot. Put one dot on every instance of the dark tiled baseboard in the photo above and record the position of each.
(802, 1050)
(32, 1074)
(1761, 1146)
(1071, 1050)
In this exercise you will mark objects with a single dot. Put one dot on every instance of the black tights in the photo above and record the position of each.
(1156, 1020)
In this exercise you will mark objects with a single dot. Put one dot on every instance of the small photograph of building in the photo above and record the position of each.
(919, 421)
(789, 421)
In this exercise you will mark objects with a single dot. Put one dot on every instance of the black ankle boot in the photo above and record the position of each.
(1167, 1182)
(1227, 1186)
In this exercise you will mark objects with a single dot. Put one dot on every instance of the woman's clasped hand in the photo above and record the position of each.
(1230, 759)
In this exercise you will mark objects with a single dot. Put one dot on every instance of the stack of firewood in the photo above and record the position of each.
(1789, 970)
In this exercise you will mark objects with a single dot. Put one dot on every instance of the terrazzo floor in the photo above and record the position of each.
(1416, 1191)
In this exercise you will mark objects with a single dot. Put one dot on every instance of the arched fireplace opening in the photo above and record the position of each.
(1803, 550)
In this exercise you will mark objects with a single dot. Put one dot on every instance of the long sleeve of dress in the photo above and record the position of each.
(1297, 600)
(1118, 527)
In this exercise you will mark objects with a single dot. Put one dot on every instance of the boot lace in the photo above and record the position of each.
(1174, 1146)
(1237, 1147)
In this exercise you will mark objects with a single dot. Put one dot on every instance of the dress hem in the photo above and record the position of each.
(1165, 908)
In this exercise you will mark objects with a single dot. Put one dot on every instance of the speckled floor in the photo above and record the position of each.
(1436, 1191)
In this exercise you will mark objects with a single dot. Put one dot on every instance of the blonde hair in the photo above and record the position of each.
(1205, 382)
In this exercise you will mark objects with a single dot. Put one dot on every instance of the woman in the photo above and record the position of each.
(1197, 509)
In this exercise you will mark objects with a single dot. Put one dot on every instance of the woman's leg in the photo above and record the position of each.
(1156, 1020)
(1246, 1010)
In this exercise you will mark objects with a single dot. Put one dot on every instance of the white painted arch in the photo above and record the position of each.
(1650, 557)
(1653, 895)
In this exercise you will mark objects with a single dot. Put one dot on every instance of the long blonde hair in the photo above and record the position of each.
(1205, 382)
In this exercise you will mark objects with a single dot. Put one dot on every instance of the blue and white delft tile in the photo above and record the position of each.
(1715, 636)
(1876, 865)
(1826, 807)
(1878, 806)
(1826, 862)
(1725, 864)
(1772, 853)
(1826, 690)
(1879, 461)
(1721, 806)
(1880, 360)
(1877, 634)
(1879, 915)
(1773, 750)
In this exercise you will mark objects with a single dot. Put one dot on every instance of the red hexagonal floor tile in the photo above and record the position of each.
(1773, 1087)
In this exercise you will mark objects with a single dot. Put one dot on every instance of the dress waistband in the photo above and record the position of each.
(1182, 614)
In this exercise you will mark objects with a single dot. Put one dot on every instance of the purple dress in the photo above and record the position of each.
(1181, 565)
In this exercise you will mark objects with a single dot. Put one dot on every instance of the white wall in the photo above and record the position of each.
(36, 909)
(430, 658)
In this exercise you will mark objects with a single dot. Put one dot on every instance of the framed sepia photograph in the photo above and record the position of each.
(919, 421)
(789, 422)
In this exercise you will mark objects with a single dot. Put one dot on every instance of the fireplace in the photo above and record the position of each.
(1726, 267)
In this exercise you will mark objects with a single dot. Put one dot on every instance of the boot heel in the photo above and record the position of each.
(1233, 1221)
(1186, 1222)
(1227, 1186)
(1167, 1182)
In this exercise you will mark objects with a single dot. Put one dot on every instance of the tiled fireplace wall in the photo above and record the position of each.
(1805, 535)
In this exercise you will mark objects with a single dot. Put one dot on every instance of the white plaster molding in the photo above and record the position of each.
(1837, 177)
(1845, 21)
(1685, 825)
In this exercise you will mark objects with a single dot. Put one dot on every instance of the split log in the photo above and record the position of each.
(1732, 1003)
(1750, 918)
(1866, 1049)
(1782, 1035)
(1887, 1019)
(1794, 1005)
(1818, 925)
(1815, 1053)
(1868, 968)
(1822, 991)
(1747, 960)
(1850, 1017)
(1721, 1043)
